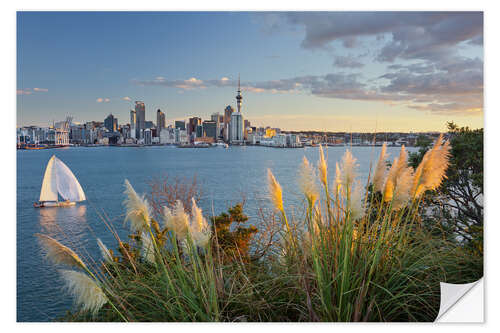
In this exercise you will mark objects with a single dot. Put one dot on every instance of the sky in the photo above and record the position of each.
(328, 71)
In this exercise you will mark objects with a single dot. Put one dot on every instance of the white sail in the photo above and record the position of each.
(67, 185)
(59, 179)
(49, 185)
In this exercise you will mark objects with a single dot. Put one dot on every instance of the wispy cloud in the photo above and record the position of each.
(102, 100)
(30, 91)
(26, 91)
(126, 98)
(453, 87)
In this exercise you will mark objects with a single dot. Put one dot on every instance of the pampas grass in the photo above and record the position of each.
(348, 169)
(380, 170)
(104, 251)
(199, 228)
(147, 248)
(177, 220)
(58, 253)
(275, 191)
(88, 295)
(322, 167)
(307, 182)
(432, 169)
(138, 209)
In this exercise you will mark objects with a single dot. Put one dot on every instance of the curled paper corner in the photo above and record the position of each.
(461, 303)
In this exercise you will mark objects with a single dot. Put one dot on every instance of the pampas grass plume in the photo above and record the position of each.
(275, 191)
(87, 293)
(380, 171)
(177, 220)
(322, 167)
(104, 251)
(138, 209)
(58, 253)
(307, 181)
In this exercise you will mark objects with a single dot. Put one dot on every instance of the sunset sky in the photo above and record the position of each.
(337, 71)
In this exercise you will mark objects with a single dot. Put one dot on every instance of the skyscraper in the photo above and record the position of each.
(226, 127)
(180, 124)
(133, 124)
(140, 111)
(237, 130)
(160, 122)
(110, 123)
(193, 123)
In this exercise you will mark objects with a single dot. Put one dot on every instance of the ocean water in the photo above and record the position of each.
(226, 177)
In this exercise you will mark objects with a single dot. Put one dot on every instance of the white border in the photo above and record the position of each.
(8, 181)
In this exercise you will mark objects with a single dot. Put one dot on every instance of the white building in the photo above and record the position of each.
(237, 129)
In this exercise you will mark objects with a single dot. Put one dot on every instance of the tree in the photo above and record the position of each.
(459, 201)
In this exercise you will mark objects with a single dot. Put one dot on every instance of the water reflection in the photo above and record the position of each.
(66, 224)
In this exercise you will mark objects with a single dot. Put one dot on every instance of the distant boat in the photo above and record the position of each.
(59, 181)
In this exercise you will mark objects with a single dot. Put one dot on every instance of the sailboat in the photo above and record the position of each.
(59, 181)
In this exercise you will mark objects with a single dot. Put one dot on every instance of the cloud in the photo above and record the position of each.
(126, 98)
(26, 91)
(407, 35)
(30, 91)
(347, 62)
(102, 100)
(453, 85)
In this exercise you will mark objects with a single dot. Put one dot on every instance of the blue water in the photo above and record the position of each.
(224, 174)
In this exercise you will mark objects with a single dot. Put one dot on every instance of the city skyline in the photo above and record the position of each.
(360, 72)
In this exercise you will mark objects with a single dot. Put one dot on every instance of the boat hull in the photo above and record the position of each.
(54, 204)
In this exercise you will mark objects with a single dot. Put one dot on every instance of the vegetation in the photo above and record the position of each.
(351, 257)
(457, 205)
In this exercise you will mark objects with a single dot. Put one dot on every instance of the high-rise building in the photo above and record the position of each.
(237, 130)
(148, 137)
(193, 123)
(180, 124)
(140, 113)
(109, 123)
(133, 124)
(226, 127)
(210, 129)
(160, 122)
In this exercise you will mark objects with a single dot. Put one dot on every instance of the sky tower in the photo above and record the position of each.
(239, 97)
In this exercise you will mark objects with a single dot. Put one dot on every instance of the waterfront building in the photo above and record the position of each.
(140, 113)
(167, 136)
(149, 124)
(210, 129)
(62, 132)
(109, 123)
(179, 124)
(199, 131)
(148, 138)
(192, 124)
(228, 111)
(160, 122)
(133, 124)
(237, 130)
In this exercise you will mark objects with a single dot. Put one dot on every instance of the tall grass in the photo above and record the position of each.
(354, 256)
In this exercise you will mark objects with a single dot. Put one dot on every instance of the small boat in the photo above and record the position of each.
(59, 181)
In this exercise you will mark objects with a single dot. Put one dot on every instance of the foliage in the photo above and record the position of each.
(234, 244)
(458, 203)
(348, 257)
